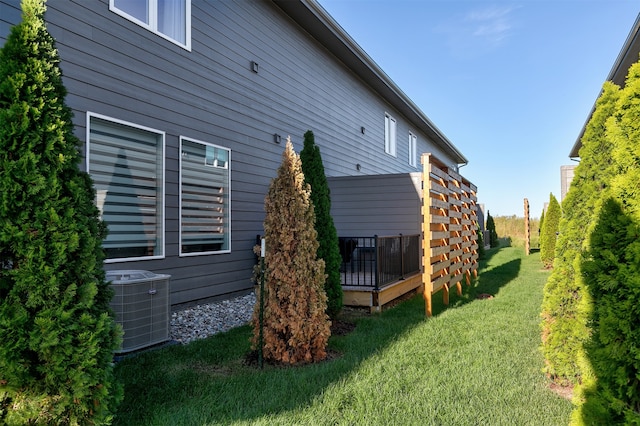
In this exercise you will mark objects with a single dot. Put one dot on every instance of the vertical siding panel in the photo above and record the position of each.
(364, 206)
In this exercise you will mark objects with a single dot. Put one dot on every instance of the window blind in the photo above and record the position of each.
(204, 192)
(126, 165)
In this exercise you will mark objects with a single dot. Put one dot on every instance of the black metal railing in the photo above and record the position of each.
(378, 261)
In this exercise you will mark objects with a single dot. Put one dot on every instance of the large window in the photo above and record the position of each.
(126, 163)
(389, 135)
(413, 145)
(204, 198)
(169, 18)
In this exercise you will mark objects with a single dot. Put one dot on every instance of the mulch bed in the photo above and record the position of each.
(484, 296)
(341, 328)
(338, 328)
(565, 392)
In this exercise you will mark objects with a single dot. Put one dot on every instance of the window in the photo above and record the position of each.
(170, 19)
(204, 198)
(413, 144)
(389, 135)
(126, 163)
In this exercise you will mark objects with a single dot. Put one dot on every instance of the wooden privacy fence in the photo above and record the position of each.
(450, 225)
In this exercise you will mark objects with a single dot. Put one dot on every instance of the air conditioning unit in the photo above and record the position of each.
(141, 306)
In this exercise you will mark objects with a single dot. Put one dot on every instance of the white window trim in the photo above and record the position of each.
(164, 174)
(413, 149)
(152, 26)
(228, 168)
(390, 139)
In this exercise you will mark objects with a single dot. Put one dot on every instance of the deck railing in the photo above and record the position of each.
(379, 261)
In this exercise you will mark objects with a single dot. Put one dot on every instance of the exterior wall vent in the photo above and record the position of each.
(141, 307)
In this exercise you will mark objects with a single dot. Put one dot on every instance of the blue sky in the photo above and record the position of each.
(509, 82)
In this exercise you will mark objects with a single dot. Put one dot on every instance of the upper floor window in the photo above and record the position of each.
(170, 19)
(389, 135)
(126, 163)
(413, 145)
(205, 222)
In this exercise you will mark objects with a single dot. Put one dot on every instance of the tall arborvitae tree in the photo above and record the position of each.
(612, 272)
(549, 232)
(56, 333)
(566, 305)
(328, 250)
(296, 326)
(612, 275)
(493, 235)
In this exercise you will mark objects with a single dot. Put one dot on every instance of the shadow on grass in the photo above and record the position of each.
(489, 253)
(491, 278)
(207, 381)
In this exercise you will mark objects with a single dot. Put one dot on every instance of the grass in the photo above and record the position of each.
(475, 362)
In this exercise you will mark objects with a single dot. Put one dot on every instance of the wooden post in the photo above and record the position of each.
(427, 285)
(527, 229)
(428, 310)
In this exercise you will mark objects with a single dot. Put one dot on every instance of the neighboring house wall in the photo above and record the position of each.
(566, 176)
(114, 69)
(481, 216)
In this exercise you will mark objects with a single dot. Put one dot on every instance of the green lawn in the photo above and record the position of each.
(475, 362)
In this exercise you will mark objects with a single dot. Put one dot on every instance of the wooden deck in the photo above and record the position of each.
(367, 296)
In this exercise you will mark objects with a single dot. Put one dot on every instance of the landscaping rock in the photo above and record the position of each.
(205, 320)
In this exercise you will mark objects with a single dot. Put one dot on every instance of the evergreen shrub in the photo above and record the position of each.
(548, 234)
(613, 275)
(57, 334)
(566, 303)
(328, 249)
(296, 328)
(494, 241)
(481, 250)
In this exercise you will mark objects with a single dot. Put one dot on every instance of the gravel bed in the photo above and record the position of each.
(205, 320)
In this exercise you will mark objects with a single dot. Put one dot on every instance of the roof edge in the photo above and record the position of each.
(345, 48)
(617, 75)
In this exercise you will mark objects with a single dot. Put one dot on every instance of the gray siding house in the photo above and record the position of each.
(183, 111)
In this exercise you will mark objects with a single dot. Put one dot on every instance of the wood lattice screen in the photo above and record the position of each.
(450, 229)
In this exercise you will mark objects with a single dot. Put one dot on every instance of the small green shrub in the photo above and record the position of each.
(481, 250)
(493, 235)
(549, 232)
